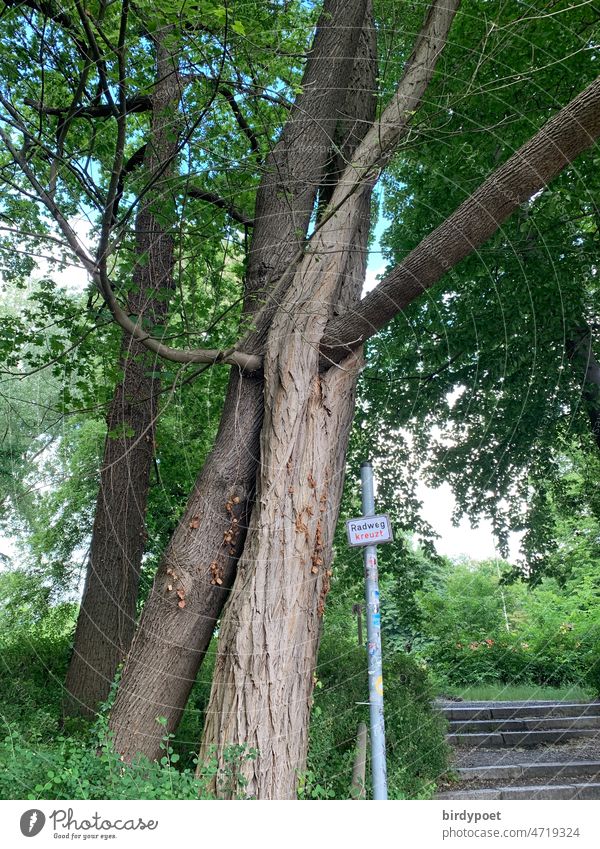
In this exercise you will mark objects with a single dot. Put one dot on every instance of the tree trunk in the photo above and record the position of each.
(106, 621)
(268, 642)
(199, 566)
(263, 680)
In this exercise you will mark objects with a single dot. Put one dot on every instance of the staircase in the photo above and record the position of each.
(523, 750)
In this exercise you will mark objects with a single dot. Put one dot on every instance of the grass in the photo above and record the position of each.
(521, 692)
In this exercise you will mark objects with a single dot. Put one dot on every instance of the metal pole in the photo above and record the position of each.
(378, 763)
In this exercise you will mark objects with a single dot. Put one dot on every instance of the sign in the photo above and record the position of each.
(369, 530)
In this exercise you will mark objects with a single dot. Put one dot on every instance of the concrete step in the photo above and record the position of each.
(535, 723)
(533, 791)
(516, 710)
(500, 739)
(528, 772)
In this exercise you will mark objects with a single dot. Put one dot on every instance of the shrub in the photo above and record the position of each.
(551, 641)
(416, 749)
(39, 760)
(69, 768)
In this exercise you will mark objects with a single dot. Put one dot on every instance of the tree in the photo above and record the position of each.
(495, 369)
(143, 264)
(107, 614)
(269, 492)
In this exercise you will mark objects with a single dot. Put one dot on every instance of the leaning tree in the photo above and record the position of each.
(257, 530)
(495, 371)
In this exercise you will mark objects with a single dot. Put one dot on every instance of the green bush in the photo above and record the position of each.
(71, 768)
(41, 760)
(33, 663)
(416, 749)
(551, 640)
(75, 769)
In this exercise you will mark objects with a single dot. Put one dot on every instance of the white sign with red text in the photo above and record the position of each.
(369, 530)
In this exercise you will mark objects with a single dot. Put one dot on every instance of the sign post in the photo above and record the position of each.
(368, 531)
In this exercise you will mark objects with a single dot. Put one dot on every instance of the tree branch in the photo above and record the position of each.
(376, 148)
(32, 141)
(572, 131)
(231, 356)
(242, 123)
(136, 160)
(222, 203)
(50, 11)
(382, 140)
(137, 103)
(96, 54)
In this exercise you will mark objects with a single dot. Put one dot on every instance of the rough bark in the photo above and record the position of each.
(200, 561)
(269, 636)
(107, 616)
(263, 680)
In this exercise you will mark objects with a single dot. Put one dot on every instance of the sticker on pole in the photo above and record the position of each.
(369, 530)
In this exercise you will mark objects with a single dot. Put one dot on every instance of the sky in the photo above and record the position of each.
(464, 540)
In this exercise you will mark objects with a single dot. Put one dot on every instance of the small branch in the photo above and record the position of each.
(49, 203)
(63, 127)
(242, 123)
(136, 160)
(187, 136)
(421, 378)
(97, 56)
(50, 11)
(222, 203)
(117, 167)
(253, 89)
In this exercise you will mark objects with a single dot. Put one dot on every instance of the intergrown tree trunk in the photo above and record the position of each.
(269, 638)
(199, 565)
(107, 615)
(270, 633)
(270, 629)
